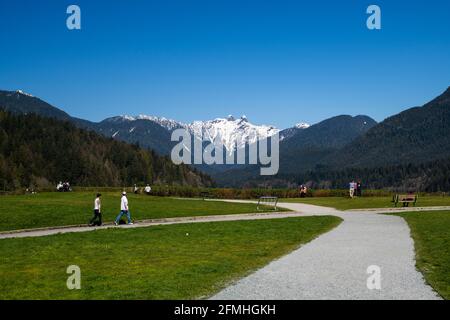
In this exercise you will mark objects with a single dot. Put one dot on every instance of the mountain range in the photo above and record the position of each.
(413, 136)
(154, 132)
(147, 131)
(233, 133)
(410, 150)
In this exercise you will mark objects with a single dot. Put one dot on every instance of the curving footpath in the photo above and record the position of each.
(48, 231)
(334, 265)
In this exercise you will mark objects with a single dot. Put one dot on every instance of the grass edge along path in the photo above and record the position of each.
(185, 261)
(345, 203)
(75, 208)
(431, 235)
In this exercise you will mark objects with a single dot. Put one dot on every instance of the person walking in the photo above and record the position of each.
(303, 191)
(124, 210)
(300, 191)
(352, 189)
(97, 218)
(359, 188)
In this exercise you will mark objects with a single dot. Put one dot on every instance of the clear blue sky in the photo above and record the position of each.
(278, 62)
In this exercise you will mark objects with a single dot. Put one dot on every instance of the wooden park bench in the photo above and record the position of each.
(205, 195)
(405, 199)
(267, 201)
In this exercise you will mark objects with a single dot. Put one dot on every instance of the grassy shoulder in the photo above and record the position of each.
(59, 209)
(343, 203)
(430, 231)
(183, 261)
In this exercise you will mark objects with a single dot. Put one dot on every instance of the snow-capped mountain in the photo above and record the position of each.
(230, 131)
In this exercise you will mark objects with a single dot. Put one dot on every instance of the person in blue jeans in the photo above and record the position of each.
(123, 209)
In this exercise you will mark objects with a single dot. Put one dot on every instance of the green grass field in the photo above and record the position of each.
(59, 209)
(161, 262)
(431, 234)
(342, 203)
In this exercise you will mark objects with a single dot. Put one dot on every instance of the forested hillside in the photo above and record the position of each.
(310, 146)
(38, 151)
(429, 176)
(432, 176)
(415, 135)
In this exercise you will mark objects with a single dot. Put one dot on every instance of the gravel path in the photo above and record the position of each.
(334, 265)
(147, 223)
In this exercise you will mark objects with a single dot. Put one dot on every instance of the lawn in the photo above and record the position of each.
(431, 234)
(342, 203)
(184, 261)
(58, 209)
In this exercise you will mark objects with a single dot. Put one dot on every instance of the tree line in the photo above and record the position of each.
(432, 176)
(38, 152)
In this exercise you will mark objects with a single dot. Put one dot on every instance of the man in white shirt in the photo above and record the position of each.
(352, 189)
(148, 189)
(97, 218)
(123, 209)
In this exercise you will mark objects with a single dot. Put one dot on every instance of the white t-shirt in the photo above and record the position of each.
(124, 203)
(148, 189)
(97, 204)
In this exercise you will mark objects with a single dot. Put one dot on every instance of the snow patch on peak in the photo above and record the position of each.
(302, 125)
(289, 132)
(23, 93)
(126, 117)
(162, 121)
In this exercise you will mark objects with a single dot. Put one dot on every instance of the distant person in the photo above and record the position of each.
(352, 189)
(359, 189)
(124, 210)
(148, 189)
(303, 191)
(66, 187)
(135, 189)
(59, 186)
(97, 218)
